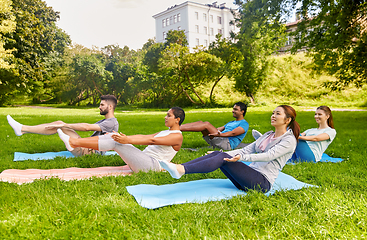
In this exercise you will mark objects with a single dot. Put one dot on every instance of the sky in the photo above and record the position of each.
(105, 22)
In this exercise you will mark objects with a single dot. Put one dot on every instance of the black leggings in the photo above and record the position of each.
(241, 175)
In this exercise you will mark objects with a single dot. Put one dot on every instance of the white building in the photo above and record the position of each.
(201, 22)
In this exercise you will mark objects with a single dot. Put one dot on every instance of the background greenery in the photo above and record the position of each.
(102, 208)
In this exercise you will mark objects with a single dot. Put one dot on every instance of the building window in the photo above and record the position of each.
(174, 18)
(179, 28)
(197, 15)
(164, 35)
(204, 17)
(178, 17)
(205, 30)
(219, 20)
(163, 22)
(205, 42)
(211, 31)
(197, 28)
(289, 41)
(167, 21)
(197, 42)
(171, 20)
(211, 18)
(220, 31)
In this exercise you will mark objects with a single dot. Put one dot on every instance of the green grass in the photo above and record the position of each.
(102, 208)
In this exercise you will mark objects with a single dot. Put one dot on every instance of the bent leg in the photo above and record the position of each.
(204, 127)
(245, 177)
(303, 153)
(207, 163)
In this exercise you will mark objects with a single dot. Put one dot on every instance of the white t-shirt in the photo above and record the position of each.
(162, 152)
(319, 147)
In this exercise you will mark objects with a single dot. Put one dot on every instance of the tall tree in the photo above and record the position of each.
(230, 56)
(261, 33)
(335, 34)
(7, 25)
(35, 40)
(89, 79)
(188, 70)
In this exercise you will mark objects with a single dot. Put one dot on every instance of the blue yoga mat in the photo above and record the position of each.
(324, 158)
(327, 158)
(19, 156)
(200, 191)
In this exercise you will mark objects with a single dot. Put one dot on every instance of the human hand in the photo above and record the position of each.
(120, 138)
(209, 152)
(233, 159)
(53, 126)
(212, 135)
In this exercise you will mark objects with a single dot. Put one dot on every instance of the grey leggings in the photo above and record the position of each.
(132, 156)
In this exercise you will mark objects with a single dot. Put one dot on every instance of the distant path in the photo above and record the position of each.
(32, 106)
(335, 109)
(303, 108)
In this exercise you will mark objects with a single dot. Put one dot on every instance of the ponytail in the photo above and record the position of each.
(291, 113)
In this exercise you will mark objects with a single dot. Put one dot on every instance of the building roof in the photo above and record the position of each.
(174, 7)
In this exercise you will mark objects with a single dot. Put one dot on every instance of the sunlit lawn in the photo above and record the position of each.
(102, 208)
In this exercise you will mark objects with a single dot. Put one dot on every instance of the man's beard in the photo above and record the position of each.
(104, 112)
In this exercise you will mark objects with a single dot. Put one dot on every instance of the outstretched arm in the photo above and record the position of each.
(173, 139)
(316, 138)
(235, 132)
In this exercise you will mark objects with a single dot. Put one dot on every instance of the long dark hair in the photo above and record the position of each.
(327, 111)
(291, 113)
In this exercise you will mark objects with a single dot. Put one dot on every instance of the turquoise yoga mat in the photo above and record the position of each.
(201, 191)
(19, 156)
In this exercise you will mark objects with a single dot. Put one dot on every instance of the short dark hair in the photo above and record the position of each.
(110, 98)
(179, 113)
(242, 106)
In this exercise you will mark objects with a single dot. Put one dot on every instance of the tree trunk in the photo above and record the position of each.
(192, 87)
(215, 84)
(188, 96)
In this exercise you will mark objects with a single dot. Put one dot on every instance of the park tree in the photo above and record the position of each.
(7, 25)
(88, 80)
(262, 32)
(335, 35)
(188, 70)
(124, 65)
(230, 56)
(37, 43)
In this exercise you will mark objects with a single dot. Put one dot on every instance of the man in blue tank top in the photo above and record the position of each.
(226, 137)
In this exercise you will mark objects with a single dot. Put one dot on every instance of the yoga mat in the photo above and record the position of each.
(201, 191)
(324, 158)
(19, 156)
(327, 158)
(29, 175)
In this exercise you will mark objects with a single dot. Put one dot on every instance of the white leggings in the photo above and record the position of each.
(132, 156)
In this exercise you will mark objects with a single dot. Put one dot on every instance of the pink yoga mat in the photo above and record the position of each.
(29, 175)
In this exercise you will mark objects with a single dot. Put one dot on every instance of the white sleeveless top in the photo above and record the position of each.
(162, 152)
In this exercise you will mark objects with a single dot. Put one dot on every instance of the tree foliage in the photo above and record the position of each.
(335, 34)
(230, 56)
(36, 40)
(7, 25)
(262, 32)
(188, 70)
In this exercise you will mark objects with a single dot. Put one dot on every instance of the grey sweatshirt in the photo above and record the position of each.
(271, 161)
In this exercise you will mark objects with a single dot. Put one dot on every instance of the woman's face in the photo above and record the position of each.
(278, 118)
(169, 119)
(320, 116)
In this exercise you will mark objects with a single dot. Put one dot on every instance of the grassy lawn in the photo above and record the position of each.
(102, 208)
